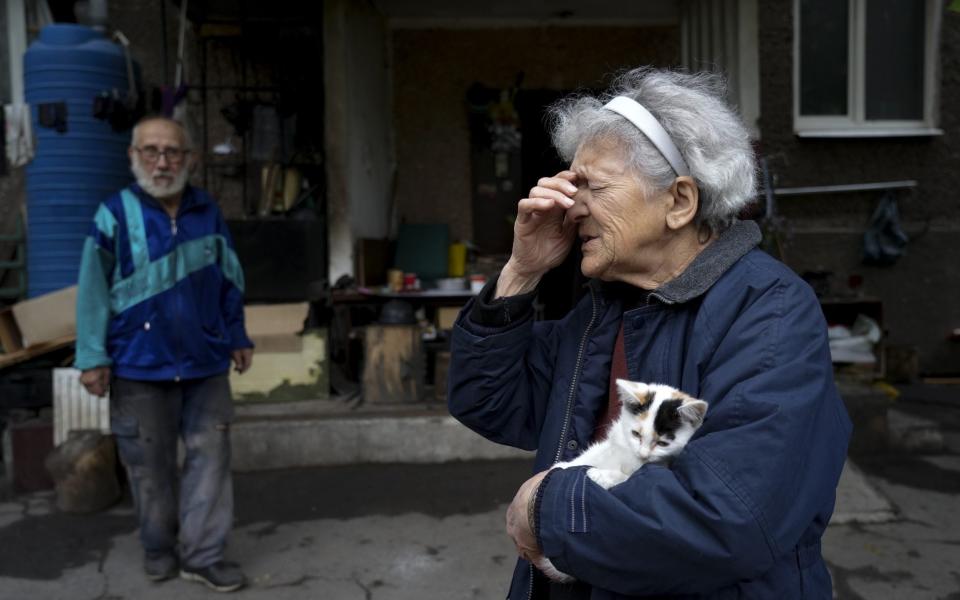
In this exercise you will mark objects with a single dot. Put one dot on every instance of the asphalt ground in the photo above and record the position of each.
(404, 532)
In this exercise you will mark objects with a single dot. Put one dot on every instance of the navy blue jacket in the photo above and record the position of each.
(740, 513)
(159, 298)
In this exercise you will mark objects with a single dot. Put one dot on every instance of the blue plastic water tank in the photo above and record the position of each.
(72, 172)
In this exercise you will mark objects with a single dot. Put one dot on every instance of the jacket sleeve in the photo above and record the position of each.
(761, 470)
(231, 295)
(500, 376)
(93, 291)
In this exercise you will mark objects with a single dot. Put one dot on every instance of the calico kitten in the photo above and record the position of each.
(656, 421)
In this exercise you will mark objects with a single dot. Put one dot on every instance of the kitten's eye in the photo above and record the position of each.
(663, 443)
(635, 434)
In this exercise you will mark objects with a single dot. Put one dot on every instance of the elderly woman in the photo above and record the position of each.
(679, 294)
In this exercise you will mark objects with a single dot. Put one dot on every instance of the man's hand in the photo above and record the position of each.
(542, 234)
(242, 359)
(96, 380)
(519, 527)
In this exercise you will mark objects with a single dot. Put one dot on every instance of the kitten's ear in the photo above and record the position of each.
(631, 394)
(693, 411)
(630, 389)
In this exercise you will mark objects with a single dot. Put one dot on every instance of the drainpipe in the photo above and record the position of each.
(16, 44)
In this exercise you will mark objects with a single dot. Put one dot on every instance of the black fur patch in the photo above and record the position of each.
(667, 420)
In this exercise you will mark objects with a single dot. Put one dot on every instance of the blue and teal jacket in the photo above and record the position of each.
(159, 298)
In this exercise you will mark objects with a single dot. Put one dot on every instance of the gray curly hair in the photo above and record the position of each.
(691, 108)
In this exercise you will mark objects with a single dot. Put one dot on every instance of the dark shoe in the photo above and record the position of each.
(220, 576)
(160, 566)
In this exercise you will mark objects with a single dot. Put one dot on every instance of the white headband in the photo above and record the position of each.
(634, 112)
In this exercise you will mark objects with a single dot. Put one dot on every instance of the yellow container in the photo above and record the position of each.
(457, 260)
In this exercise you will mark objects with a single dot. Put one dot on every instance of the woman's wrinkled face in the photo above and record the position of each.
(622, 230)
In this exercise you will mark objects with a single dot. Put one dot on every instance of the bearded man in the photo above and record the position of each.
(159, 318)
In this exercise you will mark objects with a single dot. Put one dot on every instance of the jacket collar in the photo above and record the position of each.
(711, 264)
(706, 268)
(190, 198)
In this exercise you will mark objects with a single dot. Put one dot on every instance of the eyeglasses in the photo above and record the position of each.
(152, 154)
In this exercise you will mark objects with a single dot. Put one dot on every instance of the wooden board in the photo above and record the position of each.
(13, 358)
(393, 364)
(10, 337)
(441, 366)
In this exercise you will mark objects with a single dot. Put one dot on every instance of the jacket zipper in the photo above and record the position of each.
(173, 233)
(576, 374)
(530, 587)
(573, 388)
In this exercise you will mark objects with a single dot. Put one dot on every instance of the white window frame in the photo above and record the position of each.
(855, 123)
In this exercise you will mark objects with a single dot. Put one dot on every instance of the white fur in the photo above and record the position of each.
(615, 458)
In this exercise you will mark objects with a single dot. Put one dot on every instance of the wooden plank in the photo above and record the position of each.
(13, 358)
(441, 367)
(941, 380)
(10, 337)
(393, 365)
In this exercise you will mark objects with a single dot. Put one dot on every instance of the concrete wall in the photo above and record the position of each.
(433, 68)
(919, 292)
(358, 142)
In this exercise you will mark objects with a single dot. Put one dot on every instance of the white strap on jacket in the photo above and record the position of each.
(634, 112)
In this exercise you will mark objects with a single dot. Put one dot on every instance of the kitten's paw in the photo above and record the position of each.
(543, 563)
(606, 478)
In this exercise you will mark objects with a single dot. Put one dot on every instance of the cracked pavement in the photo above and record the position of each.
(365, 532)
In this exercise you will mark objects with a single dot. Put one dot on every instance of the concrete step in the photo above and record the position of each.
(335, 432)
(325, 433)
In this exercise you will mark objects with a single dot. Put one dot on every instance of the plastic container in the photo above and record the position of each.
(73, 170)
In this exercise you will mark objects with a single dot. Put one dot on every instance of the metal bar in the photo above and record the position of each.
(203, 103)
(241, 88)
(163, 37)
(851, 187)
(16, 40)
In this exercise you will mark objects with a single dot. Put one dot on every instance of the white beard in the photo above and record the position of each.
(159, 190)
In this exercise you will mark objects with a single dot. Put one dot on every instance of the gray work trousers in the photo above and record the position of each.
(148, 417)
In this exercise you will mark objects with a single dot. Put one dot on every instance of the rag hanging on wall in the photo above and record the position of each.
(884, 241)
(18, 134)
(121, 111)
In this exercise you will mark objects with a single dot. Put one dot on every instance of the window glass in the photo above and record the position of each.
(894, 59)
(824, 31)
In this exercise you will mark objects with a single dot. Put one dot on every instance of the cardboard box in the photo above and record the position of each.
(47, 318)
(274, 327)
